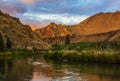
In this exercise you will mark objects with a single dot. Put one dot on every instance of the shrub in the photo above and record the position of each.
(57, 47)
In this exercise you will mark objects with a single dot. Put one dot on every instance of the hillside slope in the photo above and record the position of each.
(21, 35)
(99, 27)
(99, 23)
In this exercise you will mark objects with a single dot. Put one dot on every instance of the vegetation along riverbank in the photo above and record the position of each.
(99, 52)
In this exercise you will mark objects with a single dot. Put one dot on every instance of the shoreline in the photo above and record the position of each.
(89, 56)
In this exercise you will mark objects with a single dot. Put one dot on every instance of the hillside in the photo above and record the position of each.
(21, 35)
(99, 27)
(99, 23)
(109, 36)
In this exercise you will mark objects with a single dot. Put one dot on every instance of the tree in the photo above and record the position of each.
(1, 42)
(8, 43)
(67, 39)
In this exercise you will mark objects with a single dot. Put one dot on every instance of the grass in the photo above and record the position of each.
(100, 52)
(85, 56)
(19, 52)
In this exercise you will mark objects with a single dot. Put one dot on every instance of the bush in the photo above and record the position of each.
(57, 47)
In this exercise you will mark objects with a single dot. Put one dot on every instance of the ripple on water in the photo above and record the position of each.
(35, 63)
(69, 78)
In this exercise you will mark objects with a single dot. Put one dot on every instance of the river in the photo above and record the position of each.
(36, 68)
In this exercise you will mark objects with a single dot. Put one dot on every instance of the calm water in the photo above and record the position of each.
(39, 69)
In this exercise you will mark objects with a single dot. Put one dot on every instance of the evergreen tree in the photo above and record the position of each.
(8, 43)
(1, 42)
(67, 40)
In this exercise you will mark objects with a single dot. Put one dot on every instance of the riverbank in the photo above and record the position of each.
(91, 56)
(86, 52)
(22, 52)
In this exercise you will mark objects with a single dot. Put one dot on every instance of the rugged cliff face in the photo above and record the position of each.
(21, 35)
(100, 27)
(53, 30)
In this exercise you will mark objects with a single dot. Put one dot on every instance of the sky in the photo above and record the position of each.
(40, 13)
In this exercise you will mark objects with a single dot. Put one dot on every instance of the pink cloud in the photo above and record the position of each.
(32, 1)
(35, 24)
(11, 9)
(29, 2)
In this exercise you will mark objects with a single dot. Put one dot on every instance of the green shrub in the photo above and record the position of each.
(57, 47)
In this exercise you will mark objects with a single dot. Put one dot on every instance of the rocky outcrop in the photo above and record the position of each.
(53, 30)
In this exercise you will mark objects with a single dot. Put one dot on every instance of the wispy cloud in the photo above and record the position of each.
(36, 1)
(59, 18)
(34, 23)
(12, 8)
(29, 1)
(59, 11)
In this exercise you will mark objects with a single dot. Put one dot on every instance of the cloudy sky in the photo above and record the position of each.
(41, 12)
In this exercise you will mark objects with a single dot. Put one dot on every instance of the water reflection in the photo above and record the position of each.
(38, 69)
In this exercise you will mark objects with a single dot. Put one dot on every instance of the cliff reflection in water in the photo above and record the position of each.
(38, 69)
